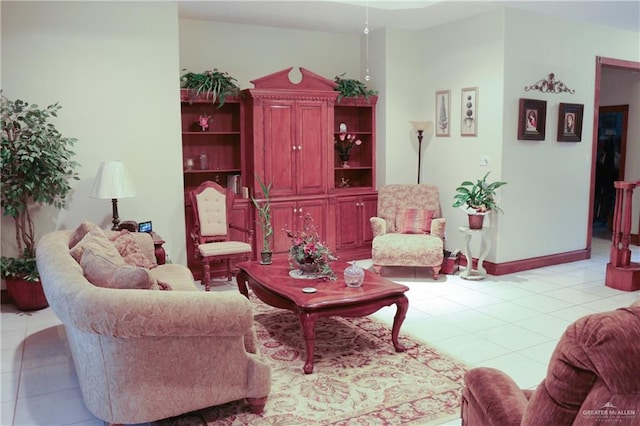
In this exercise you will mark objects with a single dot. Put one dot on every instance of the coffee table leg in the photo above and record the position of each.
(308, 322)
(402, 307)
(241, 278)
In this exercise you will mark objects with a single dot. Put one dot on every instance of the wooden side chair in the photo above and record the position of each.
(212, 206)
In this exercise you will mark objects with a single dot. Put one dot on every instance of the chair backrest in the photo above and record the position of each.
(593, 370)
(212, 206)
(408, 196)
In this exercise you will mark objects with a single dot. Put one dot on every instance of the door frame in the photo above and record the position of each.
(600, 63)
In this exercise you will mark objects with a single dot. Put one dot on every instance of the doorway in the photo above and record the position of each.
(603, 63)
(610, 164)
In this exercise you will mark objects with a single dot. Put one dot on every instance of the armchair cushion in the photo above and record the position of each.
(413, 221)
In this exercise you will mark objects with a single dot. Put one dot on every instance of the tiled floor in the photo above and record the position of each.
(511, 322)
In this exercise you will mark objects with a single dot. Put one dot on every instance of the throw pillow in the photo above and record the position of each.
(97, 241)
(131, 251)
(414, 221)
(80, 232)
(103, 272)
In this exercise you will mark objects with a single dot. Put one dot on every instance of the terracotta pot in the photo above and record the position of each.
(26, 296)
(476, 221)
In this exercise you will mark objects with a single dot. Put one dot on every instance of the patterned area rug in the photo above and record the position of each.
(358, 378)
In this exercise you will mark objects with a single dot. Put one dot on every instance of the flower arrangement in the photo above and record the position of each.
(307, 250)
(345, 143)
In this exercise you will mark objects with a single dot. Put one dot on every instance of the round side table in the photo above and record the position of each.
(485, 245)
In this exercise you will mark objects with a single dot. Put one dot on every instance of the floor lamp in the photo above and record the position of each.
(421, 127)
(112, 181)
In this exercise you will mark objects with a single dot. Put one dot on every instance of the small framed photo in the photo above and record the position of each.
(531, 119)
(469, 114)
(443, 112)
(570, 122)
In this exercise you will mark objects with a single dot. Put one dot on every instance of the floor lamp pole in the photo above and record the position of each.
(419, 152)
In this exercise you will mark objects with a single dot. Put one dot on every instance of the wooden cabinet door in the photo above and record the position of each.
(312, 142)
(318, 209)
(279, 133)
(290, 215)
(240, 217)
(347, 226)
(353, 228)
(368, 209)
(282, 217)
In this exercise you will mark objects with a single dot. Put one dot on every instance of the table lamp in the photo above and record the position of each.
(112, 181)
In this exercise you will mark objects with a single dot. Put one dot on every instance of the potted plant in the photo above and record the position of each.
(351, 88)
(213, 84)
(264, 221)
(36, 170)
(477, 199)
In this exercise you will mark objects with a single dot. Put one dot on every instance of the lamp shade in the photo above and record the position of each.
(112, 181)
(421, 125)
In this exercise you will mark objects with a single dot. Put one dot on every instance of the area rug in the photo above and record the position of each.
(358, 378)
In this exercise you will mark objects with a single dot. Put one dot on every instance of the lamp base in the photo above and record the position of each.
(116, 219)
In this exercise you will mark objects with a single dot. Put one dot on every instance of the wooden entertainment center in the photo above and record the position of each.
(283, 133)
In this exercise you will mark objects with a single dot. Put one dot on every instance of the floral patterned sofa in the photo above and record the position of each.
(146, 344)
(409, 229)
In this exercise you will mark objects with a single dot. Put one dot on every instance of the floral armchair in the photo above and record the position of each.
(409, 229)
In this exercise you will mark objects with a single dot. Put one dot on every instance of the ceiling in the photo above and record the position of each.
(350, 16)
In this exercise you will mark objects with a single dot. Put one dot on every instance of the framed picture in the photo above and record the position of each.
(443, 109)
(531, 119)
(469, 114)
(570, 122)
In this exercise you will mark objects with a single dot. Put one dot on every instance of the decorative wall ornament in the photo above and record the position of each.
(550, 85)
(443, 107)
(469, 113)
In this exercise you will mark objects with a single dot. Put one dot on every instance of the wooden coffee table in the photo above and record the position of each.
(273, 285)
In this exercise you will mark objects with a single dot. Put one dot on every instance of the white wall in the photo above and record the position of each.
(114, 69)
(248, 52)
(400, 103)
(546, 202)
(463, 54)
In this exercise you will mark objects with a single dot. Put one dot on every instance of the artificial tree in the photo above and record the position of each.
(37, 167)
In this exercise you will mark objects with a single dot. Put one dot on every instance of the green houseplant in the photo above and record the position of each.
(351, 88)
(37, 167)
(477, 199)
(264, 221)
(213, 84)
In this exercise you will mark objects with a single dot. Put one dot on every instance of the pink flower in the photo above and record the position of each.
(358, 142)
(342, 136)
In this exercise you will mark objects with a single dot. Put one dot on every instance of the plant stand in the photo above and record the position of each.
(26, 296)
(479, 273)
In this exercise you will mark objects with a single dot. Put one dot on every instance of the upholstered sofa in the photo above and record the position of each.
(593, 378)
(145, 353)
(409, 228)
